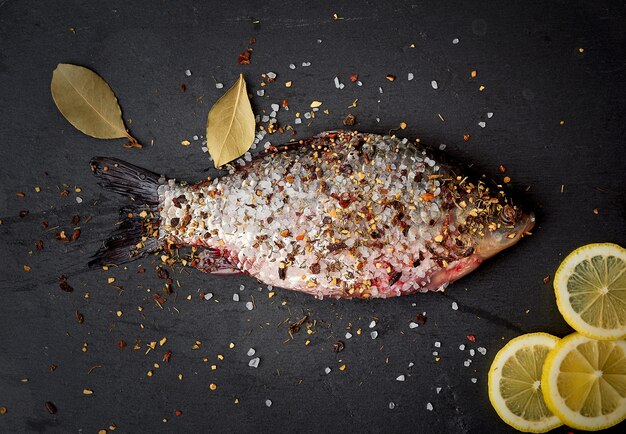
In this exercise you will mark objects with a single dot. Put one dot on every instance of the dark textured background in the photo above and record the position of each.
(527, 57)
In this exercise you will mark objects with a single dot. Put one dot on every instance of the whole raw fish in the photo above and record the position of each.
(342, 214)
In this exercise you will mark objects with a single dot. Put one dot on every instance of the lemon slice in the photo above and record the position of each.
(515, 383)
(584, 382)
(590, 288)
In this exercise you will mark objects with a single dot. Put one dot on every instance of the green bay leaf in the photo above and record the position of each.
(230, 125)
(87, 102)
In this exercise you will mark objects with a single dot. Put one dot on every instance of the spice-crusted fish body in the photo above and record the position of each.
(343, 214)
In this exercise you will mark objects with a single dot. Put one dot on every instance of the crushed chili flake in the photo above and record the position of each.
(466, 137)
(79, 317)
(244, 58)
(75, 220)
(63, 284)
(121, 344)
(75, 234)
(24, 213)
(178, 413)
(471, 338)
(167, 356)
(159, 298)
(354, 78)
(391, 77)
(20, 194)
(52, 367)
(39, 245)
(546, 280)
(502, 168)
(420, 319)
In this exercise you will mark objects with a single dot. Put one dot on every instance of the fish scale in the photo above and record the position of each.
(343, 214)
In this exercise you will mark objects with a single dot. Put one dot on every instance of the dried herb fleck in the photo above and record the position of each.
(295, 327)
(420, 319)
(50, 407)
(338, 346)
(63, 284)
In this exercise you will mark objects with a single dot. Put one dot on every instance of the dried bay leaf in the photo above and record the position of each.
(230, 125)
(88, 103)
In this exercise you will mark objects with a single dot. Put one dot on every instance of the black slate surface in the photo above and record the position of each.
(557, 126)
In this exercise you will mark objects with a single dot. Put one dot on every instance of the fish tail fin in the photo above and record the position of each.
(138, 224)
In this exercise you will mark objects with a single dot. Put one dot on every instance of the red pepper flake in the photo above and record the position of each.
(39, 245)
(466, 137)
(159, 298)
(391, 77)
(44, 224)
(52, 367)
(24, 213)
(427, 197)
(79, 317)
(183, 87)
(63, 284)
(20, 194)
(546, 280)
(596, 211)
(64, 193)
(502, 168)
(471, 338)
(252, 40)
(354, 78)
(50, 407)
(166, 357)
(75, 234)
(420, 319)
(75, 220)
(285, 103)
(244, 58)
(121, 344)
(178, 413)
(141, 271)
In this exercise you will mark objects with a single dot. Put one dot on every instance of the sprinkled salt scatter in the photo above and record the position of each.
(336, 80)
(482, 350)
(442, 147)
(235, 297)
(305, 64)
(411, 76)
(268, 402)
(260, 92)
(455, 41)
(413, 325)
(437, 344)
(327, 370)
(373, 324)
(195, 137)
(298, 121)
(251, 352)
(400, 378)
(208, 296)
(434, 84)
(374, 334)
(275, 107)
(489, 115)
(474, 380)
(79, 199)
(254, 363)
(219, 85)
(467, 363)
(455, 306)
(392, 406)
(438, 389)
(429, 407)
(271, 75)
(462, 347)
(411, 364)
(249, 305)
(348, 335)
(292, 66)
(482, 124)
(435, 353)
(188, 73)
(472, 352)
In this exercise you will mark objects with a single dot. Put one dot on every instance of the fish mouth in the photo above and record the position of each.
(502, 239)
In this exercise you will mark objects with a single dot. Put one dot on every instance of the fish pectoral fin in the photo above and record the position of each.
(212, 261)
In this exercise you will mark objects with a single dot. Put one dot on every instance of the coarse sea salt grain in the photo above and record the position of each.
(411, 364)
(474, 380)
(413, 325)
(455, 306)
(392, 406)
(429, 407)
(271, 75)
(438, 389)
(249, 305)
(298, 121)
(400, 378)
(254, 363)
(373, 324)
(489, 115)
(410, 76)
(434, 84)
(455, 41)
(275, 107)
(195, 137)
(472, 352)
(348, 335)
(260, 92)
(467, 363)
(462, 347)
(235, 297)
(251, 352)
(327, 370)
(482, 350)
(208, 296)
(219, 85)
(374, 334)
(268, 402)
(188, 73)
(79, 199)
(437, 344)
(482, 124)
(292, 66)
(305, 64)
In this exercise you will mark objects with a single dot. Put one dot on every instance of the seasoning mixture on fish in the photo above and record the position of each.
(342, 214)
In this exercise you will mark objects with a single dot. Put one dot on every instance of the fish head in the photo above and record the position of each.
(507, 225)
